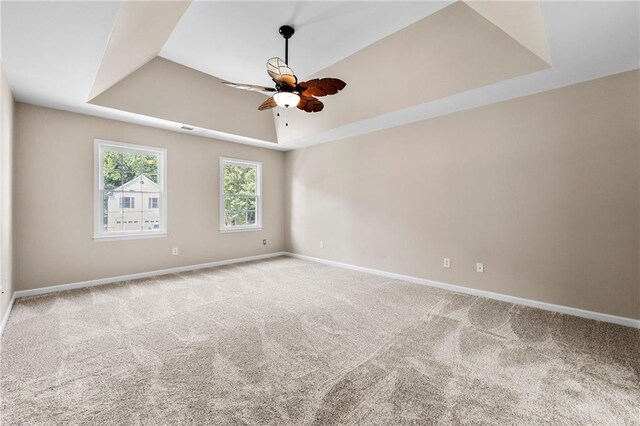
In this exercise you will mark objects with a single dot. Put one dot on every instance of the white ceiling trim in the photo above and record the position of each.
(145, 120)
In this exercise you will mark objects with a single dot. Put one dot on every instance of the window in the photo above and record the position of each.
(240, 195)
(130, 191)
(127, 203)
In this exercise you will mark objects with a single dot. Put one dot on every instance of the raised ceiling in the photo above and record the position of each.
(53, 51)
(447, 52)
(233, 40)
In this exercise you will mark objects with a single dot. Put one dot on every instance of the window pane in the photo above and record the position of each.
(111, 179)
(251, 211)
(150, 165)
(131, 196)
(235, 211)
(128, 201)
(133, 162)
(239, 180)
(151, 184)
(240, 211)
(151, 201)
(112, 160)
(127, 177)
(136, 163)
(132, 221)
(251, 203)
(112, 214)
(150, 221)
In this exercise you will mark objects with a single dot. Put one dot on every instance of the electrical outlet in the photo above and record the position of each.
(479, 267)
(264, 242)
(322, 244)
(446, 263)
(174, 251)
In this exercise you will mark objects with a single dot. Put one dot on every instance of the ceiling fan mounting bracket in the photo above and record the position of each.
(287, 31)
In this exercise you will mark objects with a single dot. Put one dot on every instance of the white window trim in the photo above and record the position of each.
(246, 163)
(98, 148)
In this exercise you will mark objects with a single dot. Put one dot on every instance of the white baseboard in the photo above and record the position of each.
(628, 322)
(109, 280)
(5, 317)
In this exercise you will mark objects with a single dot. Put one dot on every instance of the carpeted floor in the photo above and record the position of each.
(285, 341)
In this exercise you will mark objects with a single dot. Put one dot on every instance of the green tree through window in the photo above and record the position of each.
(131, 176)
(121, 167)
(240, 195)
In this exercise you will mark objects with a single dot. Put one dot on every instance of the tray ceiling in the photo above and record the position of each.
(55, 53)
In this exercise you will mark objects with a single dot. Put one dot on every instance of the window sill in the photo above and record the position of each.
(230, 230)
(130, 236)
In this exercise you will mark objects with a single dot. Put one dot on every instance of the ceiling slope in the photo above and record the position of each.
(170, 91)
(522, 20)
(139, 32)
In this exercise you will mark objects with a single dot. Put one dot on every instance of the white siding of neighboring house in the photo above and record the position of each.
(140, 217)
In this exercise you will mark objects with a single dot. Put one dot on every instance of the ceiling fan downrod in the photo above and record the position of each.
(286, 31)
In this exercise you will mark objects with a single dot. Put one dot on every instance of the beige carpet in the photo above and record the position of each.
(284, 341)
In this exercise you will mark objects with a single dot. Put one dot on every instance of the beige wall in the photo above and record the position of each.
(543, 189)
(54, 197)
(6, 200)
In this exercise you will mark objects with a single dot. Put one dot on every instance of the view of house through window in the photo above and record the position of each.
(240, 203)
(130, 189)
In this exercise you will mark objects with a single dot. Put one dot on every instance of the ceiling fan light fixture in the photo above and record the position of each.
(286, 99)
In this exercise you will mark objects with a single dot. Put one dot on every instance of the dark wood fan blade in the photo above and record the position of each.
(281, 73)
(251, 87)
(268, 104)
(322, 86)
(310, 104)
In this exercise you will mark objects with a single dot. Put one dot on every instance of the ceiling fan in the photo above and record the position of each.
(288, 92)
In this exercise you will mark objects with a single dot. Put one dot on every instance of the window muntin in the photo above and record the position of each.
(240, 195)
(128, 178)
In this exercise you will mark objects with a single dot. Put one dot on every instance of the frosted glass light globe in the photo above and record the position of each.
(286, 99)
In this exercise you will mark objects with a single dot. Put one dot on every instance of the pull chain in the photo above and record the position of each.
(286, 118)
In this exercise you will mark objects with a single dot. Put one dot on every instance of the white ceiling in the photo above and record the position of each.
(233, 40)
(51, 51)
